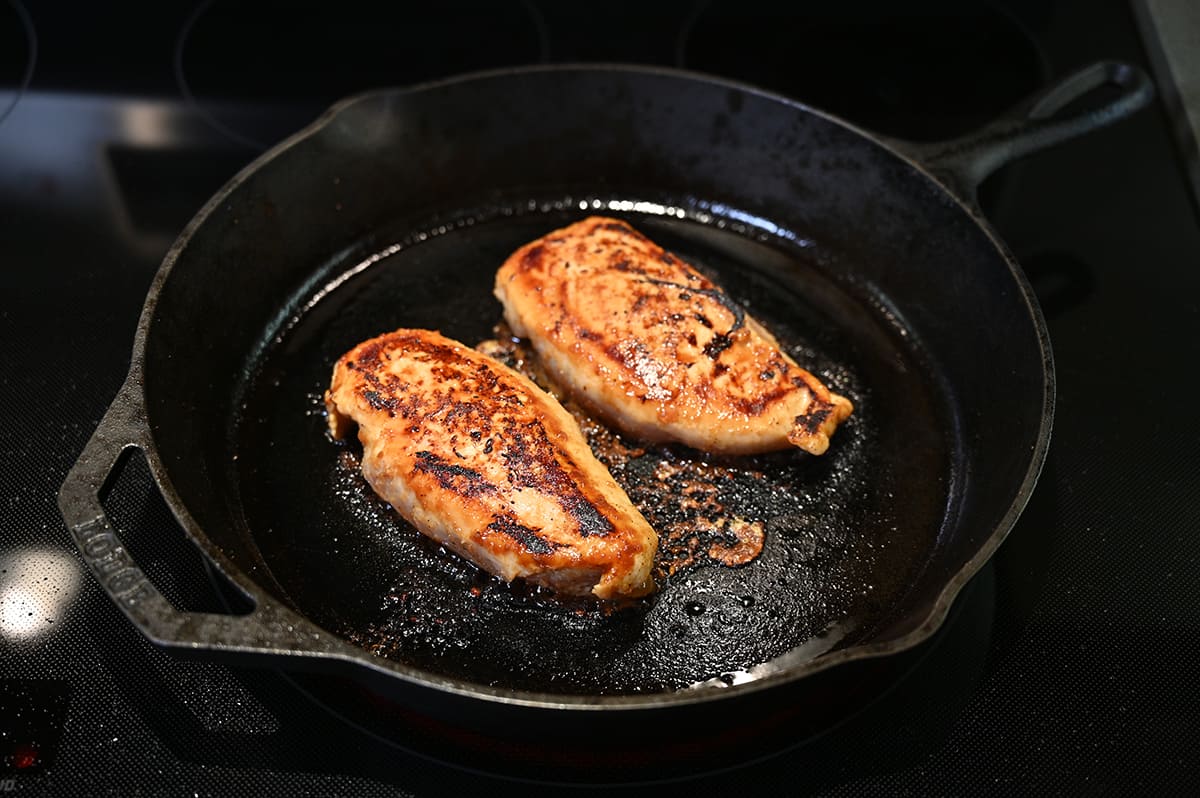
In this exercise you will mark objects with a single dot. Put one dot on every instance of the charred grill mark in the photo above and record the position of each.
(447, 364)
(531, 462)
(759, 404)
(459, 479)
(719, 343)
(811, 421)
(528, 538)
(628, 268)
(410, 345)
(380, 402)
(715, 294)
(381, 391)
(591, 521)
(464, 410)
(533, 257)
(370, 351)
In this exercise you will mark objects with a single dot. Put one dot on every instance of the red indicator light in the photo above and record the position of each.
(25, 757)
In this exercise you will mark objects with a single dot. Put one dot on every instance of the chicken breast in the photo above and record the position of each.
(646, 341)
(480, 459)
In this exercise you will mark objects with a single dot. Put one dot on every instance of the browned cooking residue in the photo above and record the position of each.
(679, 496)
(704, 527)
(747, 543)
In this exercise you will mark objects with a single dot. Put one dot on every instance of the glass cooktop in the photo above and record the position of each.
(1068, 664)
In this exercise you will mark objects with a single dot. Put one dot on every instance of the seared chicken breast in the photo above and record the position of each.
(480, 459)
(646, 341)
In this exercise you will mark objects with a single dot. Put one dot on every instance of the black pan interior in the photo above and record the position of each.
(845, 534)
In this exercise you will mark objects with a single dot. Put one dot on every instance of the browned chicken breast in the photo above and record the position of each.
(479, 458)
(645, 340)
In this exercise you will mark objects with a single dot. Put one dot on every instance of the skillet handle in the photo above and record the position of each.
(1036, 124)
(269, 627)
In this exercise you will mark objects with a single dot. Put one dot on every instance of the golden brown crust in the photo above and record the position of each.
(478, 457)
(644, 339)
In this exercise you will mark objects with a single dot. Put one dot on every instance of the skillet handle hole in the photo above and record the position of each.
(156, 542)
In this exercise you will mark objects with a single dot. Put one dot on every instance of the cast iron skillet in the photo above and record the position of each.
(867, 257)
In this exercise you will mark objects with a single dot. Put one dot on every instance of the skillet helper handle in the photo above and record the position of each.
(124, 427)
(1036, 124)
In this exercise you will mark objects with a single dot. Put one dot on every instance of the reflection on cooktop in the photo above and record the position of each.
(18, 54)
(922, 71)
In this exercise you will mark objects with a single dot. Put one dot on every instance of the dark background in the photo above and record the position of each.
(1070, 664)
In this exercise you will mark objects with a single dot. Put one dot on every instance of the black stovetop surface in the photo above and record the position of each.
(1070, 663)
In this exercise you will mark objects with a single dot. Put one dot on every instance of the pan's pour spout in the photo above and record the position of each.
(1036, 124)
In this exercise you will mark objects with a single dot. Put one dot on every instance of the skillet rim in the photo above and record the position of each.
(341, 650)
